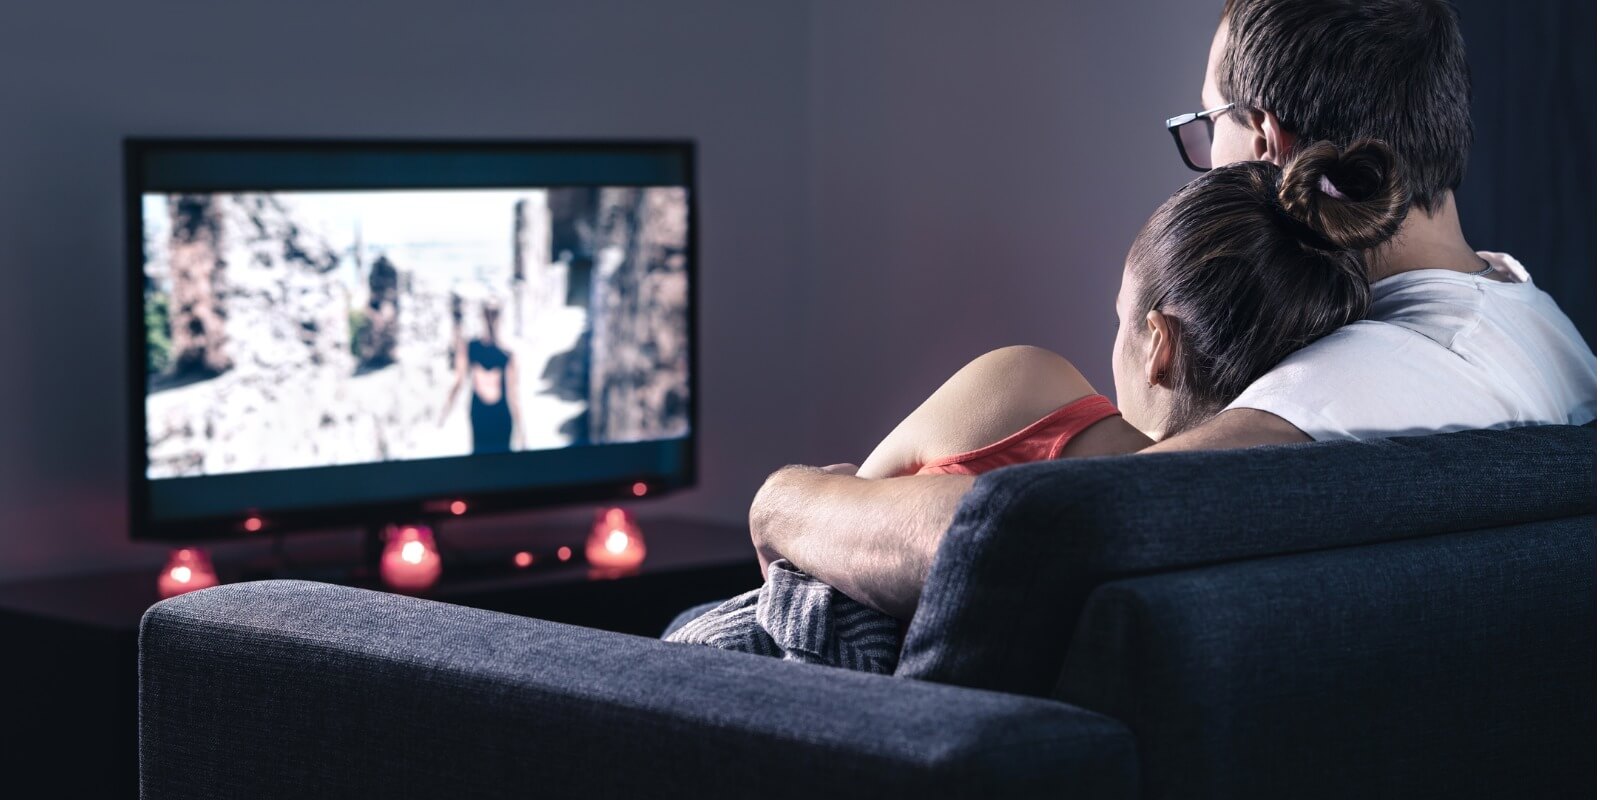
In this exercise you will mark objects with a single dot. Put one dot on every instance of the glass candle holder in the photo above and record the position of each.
(616, 545)
(410, 560)
(187, 569)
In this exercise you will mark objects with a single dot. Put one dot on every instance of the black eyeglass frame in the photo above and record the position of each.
(1206, 118)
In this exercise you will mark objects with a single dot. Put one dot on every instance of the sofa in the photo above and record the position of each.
(1410, 617)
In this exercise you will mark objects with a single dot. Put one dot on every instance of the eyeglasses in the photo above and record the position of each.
(1193, 134)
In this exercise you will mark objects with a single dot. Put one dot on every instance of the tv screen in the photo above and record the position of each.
(332, 332)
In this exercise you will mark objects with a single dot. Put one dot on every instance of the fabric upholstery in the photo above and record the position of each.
(1029, 543)
(294, 689)
(1454, 666)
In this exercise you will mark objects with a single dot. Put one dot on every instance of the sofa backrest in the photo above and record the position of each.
(1031, 543)
(1452, 666)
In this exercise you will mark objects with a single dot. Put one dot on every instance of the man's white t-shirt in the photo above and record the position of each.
(1439, 351)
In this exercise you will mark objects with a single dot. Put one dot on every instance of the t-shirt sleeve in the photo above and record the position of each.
(1360, 382)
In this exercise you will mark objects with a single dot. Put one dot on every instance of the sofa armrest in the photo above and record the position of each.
(289, 688)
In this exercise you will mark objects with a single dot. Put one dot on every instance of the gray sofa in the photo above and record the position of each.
(1411, 617)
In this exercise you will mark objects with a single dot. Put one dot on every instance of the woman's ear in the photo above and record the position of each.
(1268, 139)
(1163, 348)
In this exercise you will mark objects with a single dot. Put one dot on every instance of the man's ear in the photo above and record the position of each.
(1268, 139)
(1163, 331)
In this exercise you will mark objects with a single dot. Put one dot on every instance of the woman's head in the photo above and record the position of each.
(1242, 267)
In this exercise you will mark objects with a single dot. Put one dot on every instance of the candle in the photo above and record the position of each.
(187, 569)
(410, 560)
(615, 543)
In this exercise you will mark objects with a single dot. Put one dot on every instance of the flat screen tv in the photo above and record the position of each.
(339, 332)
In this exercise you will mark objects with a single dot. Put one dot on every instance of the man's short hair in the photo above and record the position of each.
(1342, 70)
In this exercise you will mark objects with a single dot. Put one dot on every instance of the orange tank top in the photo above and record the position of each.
(1041, 441)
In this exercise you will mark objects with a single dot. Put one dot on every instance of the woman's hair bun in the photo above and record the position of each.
(1350, 199)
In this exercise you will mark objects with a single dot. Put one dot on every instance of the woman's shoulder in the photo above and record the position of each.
(1027, 370)
(1010, 387)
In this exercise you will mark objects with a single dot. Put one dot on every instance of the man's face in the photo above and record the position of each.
(1232, 141)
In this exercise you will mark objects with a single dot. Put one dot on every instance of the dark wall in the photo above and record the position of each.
(1530, 187)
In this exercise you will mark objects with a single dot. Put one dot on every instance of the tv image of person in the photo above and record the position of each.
(494, 413)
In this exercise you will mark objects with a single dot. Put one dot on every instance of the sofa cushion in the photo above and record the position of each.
(1029, 543)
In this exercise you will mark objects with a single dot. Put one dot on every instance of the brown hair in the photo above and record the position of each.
(1337, 70)
(1252, 262)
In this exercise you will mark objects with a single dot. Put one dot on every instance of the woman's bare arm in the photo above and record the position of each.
(874, 539)
(992, 397)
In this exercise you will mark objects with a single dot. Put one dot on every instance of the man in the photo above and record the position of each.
(1455, 339)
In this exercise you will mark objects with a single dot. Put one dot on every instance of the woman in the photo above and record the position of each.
(495, 415)
(1235, 271)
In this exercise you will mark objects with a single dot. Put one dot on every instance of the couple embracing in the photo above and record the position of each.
(1312, 284)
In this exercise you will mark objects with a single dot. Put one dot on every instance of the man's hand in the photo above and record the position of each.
(871, 539)
(767, 537)
(765, 510)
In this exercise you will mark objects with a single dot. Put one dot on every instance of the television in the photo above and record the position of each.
(342, 332)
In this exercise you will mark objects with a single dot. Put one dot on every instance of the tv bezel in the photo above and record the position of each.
(420, 506)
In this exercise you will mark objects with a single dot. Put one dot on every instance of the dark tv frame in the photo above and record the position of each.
(142, 527)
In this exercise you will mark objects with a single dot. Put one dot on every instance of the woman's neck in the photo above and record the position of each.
(1425, 241)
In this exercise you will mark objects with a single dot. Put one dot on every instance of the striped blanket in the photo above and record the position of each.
(799, 618)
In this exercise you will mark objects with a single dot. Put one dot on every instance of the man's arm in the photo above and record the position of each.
(1230, 430)
(871, 539)
(875, 540)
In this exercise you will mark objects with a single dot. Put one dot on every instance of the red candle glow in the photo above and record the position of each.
(187, 569)
(615, 542)
(410, 560)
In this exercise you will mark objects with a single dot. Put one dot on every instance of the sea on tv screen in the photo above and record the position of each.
(286, 330)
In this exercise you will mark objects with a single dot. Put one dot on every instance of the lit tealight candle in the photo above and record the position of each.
(410, 561)
(615, 543)
(187, 569)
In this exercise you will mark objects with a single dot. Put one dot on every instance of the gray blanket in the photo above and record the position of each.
(799, 618)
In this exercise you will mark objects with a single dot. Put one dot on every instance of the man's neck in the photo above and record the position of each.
(1425, 241)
